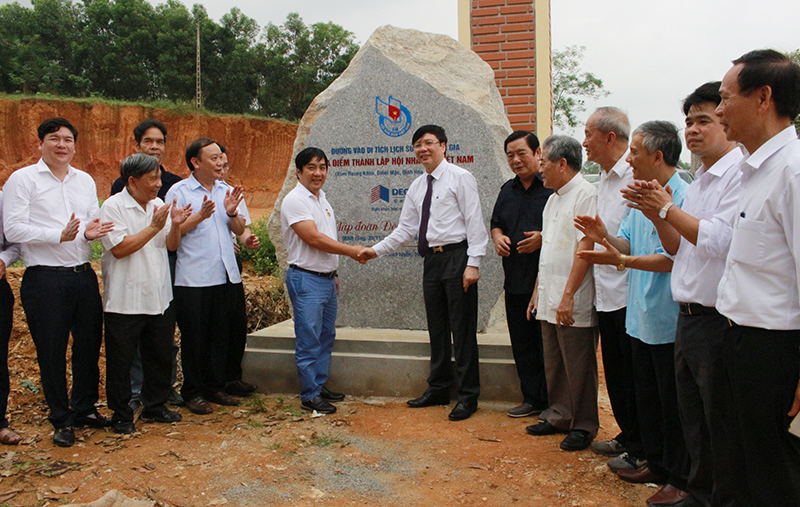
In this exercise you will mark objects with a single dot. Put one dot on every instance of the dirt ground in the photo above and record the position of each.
(373, 451)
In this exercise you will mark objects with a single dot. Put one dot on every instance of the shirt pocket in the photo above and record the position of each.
(749, 241)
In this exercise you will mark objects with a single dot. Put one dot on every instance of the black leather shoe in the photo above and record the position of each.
(123, 427)
(543, 428)
(64, 437)
(463, 410)
(221, 398)
(93, 420)
(160, 414)
(198, 405)
(429, 399)
(329, 395)
(240, 388)
(318, 404)
(577, 440)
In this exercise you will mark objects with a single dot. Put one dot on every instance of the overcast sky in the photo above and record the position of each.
(649, 54)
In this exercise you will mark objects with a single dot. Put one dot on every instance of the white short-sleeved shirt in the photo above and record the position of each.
(139, 283)
(301, 205)
(559, 241)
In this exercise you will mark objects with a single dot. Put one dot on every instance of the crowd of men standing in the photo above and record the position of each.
(146, 289)
(692, 290)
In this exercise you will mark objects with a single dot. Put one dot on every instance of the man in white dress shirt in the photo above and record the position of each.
(309, 233)
(443, 208)
(564, 300)
(760, 288)
(138, 291)
(700, 233)
(51, 210)
(606, 137)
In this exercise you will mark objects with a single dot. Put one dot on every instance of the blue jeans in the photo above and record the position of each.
(314, 301)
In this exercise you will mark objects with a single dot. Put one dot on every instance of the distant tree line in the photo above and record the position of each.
(129, 50)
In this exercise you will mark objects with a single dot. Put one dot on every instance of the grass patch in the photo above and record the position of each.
(255, 424)
(323, 440)
(256, 404)
(264, 260)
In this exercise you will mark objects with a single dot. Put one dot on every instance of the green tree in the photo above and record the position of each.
(300, 62)
(571, 86)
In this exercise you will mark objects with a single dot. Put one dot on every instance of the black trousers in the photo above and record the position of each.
(699, 376)
(450, 310)
(238, 339)
(615, 344)
(659, 422)
(526, 345)
(759, 458)
(6, 319)
(151, 335)
(56, 304)
(207, 317)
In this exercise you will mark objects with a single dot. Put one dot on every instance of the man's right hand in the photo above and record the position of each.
(592, 227)
(207, 209)
(71, 230)
(365, 254)
(160, 217)
(502, 245)
(531, 243)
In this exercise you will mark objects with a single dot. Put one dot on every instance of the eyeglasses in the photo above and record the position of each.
(426, 144)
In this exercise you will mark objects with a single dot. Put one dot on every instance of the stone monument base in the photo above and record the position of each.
(377, 362)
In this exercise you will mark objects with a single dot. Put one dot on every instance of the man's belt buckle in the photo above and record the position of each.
(437, 249)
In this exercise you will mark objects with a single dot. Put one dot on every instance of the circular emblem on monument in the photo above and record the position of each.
(393, 117)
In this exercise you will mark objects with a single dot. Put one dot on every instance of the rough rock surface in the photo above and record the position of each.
(400, 80)
(259, 148)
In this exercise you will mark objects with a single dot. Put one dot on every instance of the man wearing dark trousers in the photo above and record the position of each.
(51, 209)
(759, 292)
(9, 253)
(516, 229)
(138, 291)
(452, 240)
(207, 280)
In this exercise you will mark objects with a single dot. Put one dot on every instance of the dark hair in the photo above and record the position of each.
(558, 147)
(767, 67)
(307, 155)
(530, 137)
(193, 151)
(430, 129)
(662, 136)
(137, 165)
(708, 92)
(146, 125)
(51, 125)
(221, 147)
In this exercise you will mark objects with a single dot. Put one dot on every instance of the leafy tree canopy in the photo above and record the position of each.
(571, 86)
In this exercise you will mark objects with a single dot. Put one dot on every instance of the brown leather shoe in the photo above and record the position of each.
(667, 496)
(640, 476)
(220, 398)
(198, 405)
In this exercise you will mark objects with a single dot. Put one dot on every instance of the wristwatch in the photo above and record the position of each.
(662, 213)
(622, 260)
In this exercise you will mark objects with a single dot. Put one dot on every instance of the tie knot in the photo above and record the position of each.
(430, 178)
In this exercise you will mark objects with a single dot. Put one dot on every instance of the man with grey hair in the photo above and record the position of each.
(564, 300)
(605, 140)
(652, 315)
(138, 291)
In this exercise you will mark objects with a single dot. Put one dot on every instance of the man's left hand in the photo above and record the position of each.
(564, 311)
(252, 242)
(609, 256)
(232, 200)
(531, 243)
(96, 229)
(471, 275)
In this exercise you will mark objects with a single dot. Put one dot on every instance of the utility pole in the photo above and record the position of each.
(198, 93)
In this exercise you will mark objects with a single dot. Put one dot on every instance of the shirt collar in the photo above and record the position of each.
(569, 185)
(721, 166)
(437, 173)
(130, 202)
(307, 193)
(537, 182)
(674, 180)
(194, 184)
(771, 147)
(43, 167)
(621, 166)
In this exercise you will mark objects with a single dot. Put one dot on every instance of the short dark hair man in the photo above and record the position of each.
(309, 233)
(452, 243)
(207, 279)
(564, 300)
(759, 292)
(138, 291)
(702, 232)
(51, 209)
(516, 228)
(150, 138)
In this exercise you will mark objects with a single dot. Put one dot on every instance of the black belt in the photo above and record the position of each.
(697, 309)
(446, 248)
(73, 269)
(332, 274)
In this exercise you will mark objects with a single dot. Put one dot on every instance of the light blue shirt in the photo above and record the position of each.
(652, 314)
(205, 257)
